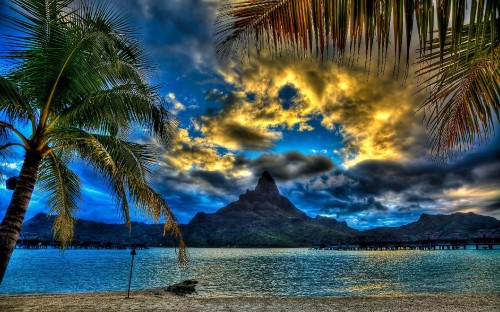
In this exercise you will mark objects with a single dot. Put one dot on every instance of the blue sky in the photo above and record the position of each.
(339, 142)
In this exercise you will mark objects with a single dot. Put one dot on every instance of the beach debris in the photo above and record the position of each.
(184, 288)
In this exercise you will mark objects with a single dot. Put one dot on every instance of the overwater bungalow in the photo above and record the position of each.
(425, 241)
(34, 241)
(439, 240)
(486, 239)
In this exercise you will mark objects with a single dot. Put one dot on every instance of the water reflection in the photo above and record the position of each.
(260, 272)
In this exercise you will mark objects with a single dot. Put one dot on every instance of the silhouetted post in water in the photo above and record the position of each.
(133, 253)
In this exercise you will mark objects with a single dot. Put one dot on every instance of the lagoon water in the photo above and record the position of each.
(259, 272)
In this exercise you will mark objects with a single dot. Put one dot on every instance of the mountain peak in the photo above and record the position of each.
(267, 184)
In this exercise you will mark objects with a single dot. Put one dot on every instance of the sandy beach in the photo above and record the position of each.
(158, 300)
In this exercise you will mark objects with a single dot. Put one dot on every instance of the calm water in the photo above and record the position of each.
(257, 272)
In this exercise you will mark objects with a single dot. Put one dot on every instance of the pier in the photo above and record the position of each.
(482, 239)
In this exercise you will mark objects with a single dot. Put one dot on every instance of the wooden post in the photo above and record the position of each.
(133, 253)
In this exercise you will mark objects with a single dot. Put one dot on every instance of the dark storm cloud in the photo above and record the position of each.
(346, 208)
(177, 27)
(215, 180)
(416, 198)
(223, 186)
(410, 207)
(218, 123)
(238, 124)
(246, 138)
(493, 206)
(377, 177)
(208, 182)
(226, 100)
(196, 190)
(291, 165)
(411, 188)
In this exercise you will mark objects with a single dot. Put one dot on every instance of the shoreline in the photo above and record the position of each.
(159, 300)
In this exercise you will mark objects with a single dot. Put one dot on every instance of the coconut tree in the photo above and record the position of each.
(76, 91)
(458, 56)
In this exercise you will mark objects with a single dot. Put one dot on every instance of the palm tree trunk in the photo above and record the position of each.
(14, 217)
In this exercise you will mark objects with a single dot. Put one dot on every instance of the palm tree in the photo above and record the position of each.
(459, 65)
(76, 89)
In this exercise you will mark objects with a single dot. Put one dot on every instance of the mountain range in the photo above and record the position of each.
(264, 218)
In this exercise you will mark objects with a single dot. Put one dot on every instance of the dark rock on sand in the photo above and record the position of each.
(183, 288)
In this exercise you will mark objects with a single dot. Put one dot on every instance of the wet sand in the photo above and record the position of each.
(158, 300)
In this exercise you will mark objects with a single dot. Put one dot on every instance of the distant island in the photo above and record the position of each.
(264, 218)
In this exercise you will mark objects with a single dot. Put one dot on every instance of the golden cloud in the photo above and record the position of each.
(250, 124)
(470, 198)
(187, 153)
(375, 115)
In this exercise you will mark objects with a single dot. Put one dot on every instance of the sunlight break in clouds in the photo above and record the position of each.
(197, 153)
(375, 115)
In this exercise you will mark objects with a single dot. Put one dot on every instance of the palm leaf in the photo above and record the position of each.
(62, 188)
(312, 27)
(316, 28)
(458, 62)
(125, 166)
(155, 206)
(39, 51)
(109, 110)
(83, 76)
(463, 82)
(14, 107)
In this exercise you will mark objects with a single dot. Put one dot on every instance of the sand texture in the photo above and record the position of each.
(158, 300)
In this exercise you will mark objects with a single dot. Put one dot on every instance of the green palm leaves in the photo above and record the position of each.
(62, 188)
(77, 89)
(320, 28)
(462, 73)
(466, 35)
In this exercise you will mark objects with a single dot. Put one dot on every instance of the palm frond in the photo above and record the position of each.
(459, 59)
(320, 28)
(4, 134)
(94, 153)
(67, 55)
(38, 46)
(155, 206)
(323, 28)
(72, 56)
(83, 76)
(107, 111)
(14, 107)
(125, 167)
(62, 188)
(464, 88)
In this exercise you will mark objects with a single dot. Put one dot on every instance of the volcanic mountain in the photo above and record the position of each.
(456, 224)
(263, 218)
